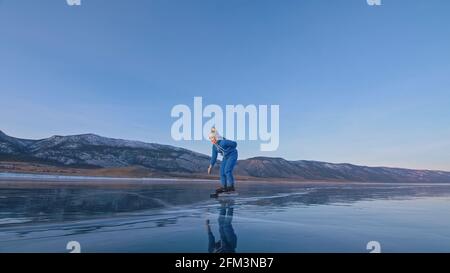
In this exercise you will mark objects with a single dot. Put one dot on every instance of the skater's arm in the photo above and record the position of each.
(211, 239)
(213, 156)
(211, 242)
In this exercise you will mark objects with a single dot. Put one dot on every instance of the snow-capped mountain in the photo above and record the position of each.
(11, 145)
(315, 170)
(91, 151)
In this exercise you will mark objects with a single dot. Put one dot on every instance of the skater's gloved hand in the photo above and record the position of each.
(209, 169)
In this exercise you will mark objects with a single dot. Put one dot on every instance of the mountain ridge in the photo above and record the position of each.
(91, 151)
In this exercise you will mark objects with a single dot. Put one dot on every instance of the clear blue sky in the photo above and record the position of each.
(359, 84)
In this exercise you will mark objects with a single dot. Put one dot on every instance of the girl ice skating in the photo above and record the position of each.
(227, 148)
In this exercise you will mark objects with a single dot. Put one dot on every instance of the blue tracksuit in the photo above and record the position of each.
(227, 148)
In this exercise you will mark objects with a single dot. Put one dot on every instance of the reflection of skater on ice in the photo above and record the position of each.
(228, 238)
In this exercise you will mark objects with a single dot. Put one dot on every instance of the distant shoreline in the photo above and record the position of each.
(10, 177)
(59, 177)
(27, 179)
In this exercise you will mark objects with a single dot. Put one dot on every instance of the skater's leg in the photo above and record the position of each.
(222, 216)
(231, 162)
(223, 177)
(230, 213)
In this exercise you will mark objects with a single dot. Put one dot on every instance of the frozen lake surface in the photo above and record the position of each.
(173, 216)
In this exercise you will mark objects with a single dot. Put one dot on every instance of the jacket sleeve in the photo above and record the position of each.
(228, 144)
(213, 155)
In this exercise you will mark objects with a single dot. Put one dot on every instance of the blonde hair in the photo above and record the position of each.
(214, 134)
